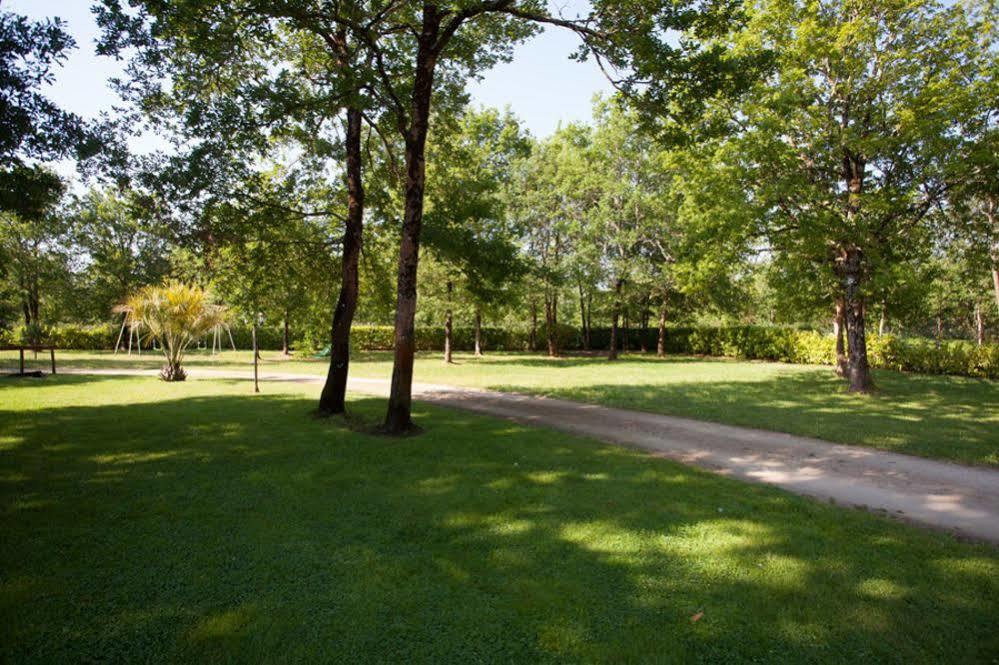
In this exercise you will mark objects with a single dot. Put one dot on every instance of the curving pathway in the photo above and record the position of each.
(941, 495)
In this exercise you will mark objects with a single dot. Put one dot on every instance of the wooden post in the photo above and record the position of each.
(52, 352)
(22, 359)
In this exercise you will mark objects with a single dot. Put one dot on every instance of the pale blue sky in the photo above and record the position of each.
(542, 86)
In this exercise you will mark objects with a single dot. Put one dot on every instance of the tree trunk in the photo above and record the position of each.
(256, 356)
(995, 284)
(643, 344)
(612, 349)
(551, 323)
(979, 324)
(333, 397)
(838, 321)
(582, 319)
(661, 341)
(478, 333)
(285, 348)
(858, 369)
(939, 328)
(883, 319)
(448, 326)
(532, 342)
(398, 418)
(625, 329)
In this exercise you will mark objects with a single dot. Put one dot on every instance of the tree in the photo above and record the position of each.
(285, 70)
(851, 137)
(32, 243)
(119, 248)
(32, 127)
(405, 52)
(471, 160)
(176, 314)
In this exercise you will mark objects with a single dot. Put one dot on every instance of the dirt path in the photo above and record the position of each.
(941, 495)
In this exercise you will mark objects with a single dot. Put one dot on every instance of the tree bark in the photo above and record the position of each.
(478, 333)
(448, 326)
(625, 329)
(612, 350)
(858, 369)
(532, 342)
(661, 341)
(582, 319)
(398, 418)
(334, 394)
(838, 321)
(883, 319)
(979, 324)
(995, 283)
(643, 344)
(551, 324)
(256, 357)
(285, 348)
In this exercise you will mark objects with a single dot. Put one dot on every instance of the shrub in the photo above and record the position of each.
(177, 315)
(790, 345)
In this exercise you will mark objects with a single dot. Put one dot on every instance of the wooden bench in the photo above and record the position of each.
(33, 347)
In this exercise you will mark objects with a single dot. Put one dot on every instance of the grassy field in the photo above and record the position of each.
(945, 417)
(196, 522)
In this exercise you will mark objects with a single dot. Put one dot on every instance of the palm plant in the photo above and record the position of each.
(176, 314)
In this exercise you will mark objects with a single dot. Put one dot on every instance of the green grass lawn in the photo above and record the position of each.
(195, 522)
(945, 417)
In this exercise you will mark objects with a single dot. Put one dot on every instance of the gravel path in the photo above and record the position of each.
(942, 495)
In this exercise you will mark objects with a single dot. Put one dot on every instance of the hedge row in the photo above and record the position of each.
(751, 342)
(788, 345)
(103, 337)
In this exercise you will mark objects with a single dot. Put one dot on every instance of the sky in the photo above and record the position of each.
(542, 86)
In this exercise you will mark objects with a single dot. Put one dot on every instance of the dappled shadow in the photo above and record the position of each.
(237, 528)
(931, 416)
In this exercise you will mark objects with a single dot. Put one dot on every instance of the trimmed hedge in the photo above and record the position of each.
(788, 345)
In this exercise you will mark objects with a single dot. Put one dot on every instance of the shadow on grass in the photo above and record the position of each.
(238, 529)
(932, 416)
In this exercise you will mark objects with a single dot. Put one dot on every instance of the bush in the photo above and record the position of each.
(789, 345)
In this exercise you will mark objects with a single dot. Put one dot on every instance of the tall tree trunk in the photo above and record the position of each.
(979, 324)
(939, 328)
(883, 319)
(991, 209)
(995, 282)
(478, 332)
(448, 326)
(333, 397)
(858, 369)
(398, 417)
(838, 325)
(589, 318)
(551, 324)
(661, 341)
(532, 342)
(285, 347)
(625, 329)
(256, 356)
(643, 343)
(612, 349)
(582, 318)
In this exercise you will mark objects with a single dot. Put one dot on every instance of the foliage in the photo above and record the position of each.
(177, 315)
